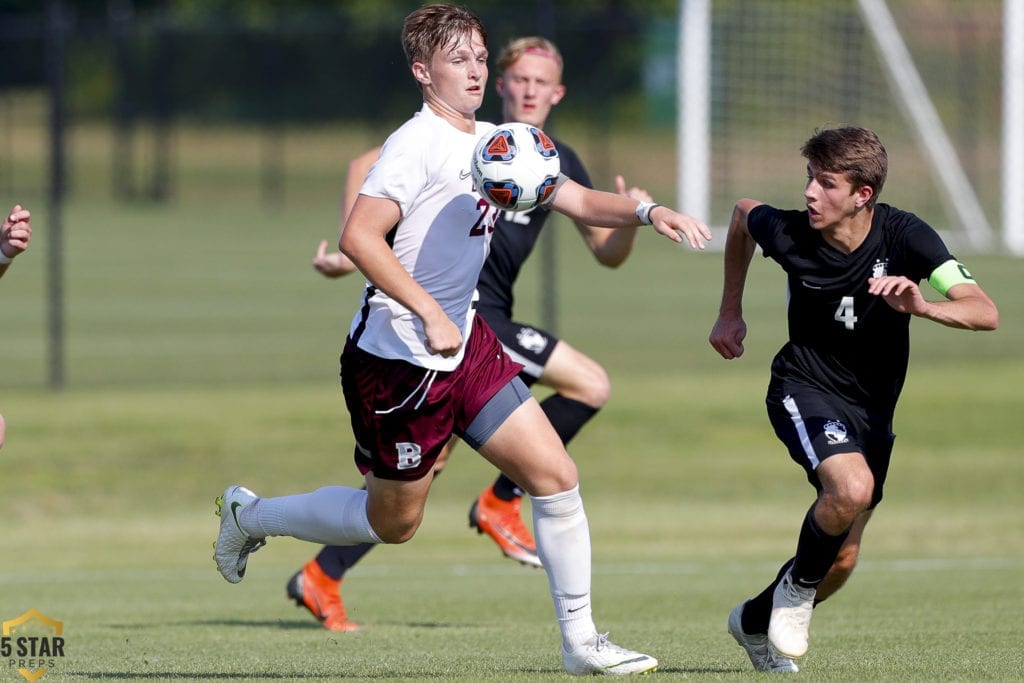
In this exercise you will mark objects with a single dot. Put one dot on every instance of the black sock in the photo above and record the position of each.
(335, 560)
(758, 610)
(816, 551)
(506, 489)
(566, 415)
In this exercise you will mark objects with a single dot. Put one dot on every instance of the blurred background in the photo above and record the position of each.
(182, 159)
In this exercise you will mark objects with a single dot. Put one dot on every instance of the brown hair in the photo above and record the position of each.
(437, 26)
(511, 53)
(855, 152)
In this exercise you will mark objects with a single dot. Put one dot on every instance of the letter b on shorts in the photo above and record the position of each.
(409, 455)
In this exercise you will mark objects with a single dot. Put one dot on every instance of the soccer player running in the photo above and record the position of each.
(530, 84)
(853, 267)
(419, 365)
(15, 234)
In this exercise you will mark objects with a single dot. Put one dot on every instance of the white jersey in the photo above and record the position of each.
(442, 238)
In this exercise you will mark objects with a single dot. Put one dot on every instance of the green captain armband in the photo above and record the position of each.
(949, 274)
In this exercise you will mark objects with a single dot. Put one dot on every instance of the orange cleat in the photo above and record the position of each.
(321, 595)
(502, 521)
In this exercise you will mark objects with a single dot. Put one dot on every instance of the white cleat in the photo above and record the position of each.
(233, 545)
(791, 617)
(756, 644)
(601, 656)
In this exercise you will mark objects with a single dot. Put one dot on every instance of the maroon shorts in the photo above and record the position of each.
(403, 414)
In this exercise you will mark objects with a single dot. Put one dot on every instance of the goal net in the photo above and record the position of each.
(926, 75)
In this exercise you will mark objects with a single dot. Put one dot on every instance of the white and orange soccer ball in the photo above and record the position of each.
(515, 167)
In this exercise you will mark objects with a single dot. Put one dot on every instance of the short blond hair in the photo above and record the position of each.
(518, 47)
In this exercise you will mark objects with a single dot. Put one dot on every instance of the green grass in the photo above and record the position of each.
(202, 350)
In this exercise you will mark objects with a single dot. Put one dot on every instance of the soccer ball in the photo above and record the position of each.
(515, 167)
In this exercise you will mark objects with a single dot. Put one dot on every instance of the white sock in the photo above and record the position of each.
(563, 543)
(332, 515)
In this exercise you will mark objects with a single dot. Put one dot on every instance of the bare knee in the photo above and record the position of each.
(396, 531)
(395, 524)
(577, 376)
(394, 509)
(857, 498)
(597, 388)
(560, 475)
(838, 507)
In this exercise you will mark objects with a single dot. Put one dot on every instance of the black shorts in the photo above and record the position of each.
(527, 345)
(814, 426)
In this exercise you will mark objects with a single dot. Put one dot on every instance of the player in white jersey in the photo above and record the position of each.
(445, 377)
(429, 184)
(529, 82)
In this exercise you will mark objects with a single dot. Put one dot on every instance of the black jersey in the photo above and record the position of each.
(515, 235)
(843, 340)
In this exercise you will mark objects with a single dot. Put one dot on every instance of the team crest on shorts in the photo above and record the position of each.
(835, 432)
(410, 455)
(531, 340)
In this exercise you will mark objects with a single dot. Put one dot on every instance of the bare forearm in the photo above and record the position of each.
(974, 311)
(739, 250)
(597, 208)
(379, 265)
(611, 247)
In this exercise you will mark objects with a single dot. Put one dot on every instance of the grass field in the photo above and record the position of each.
(202, 351)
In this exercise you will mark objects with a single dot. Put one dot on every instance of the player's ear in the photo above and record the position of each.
(421, 73)
(558, 94)
(499, 86)
(864, 194)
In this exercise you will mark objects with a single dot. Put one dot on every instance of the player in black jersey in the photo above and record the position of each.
(853, 267)
(530, 84)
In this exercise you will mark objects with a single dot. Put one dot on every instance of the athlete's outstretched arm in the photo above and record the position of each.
(335, 264)
(594, 207)
(612, 247)
(730, 329)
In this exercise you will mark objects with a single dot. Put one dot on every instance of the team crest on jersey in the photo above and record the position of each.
(880, 269)
(531, 340)
(835, 432)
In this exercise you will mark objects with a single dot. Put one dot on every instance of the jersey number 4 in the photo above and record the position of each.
(844, 313)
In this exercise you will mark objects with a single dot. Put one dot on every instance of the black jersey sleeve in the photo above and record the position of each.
(773, 229)
(925, 250)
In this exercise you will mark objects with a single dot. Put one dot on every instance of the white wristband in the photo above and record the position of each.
(4, 258)
(643, 211)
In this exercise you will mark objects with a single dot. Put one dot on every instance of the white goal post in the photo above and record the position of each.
(755, 79)
(1013, 125)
